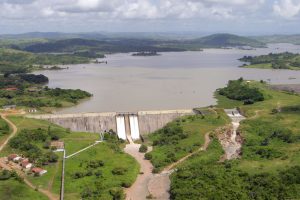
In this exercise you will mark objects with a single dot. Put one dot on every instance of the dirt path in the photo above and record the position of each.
(13, 133)
(159, 185)
(203, 148)
(47, 193)
(139, 190)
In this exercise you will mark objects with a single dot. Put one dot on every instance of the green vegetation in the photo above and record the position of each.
(15, 61)
(99, 172)
(241, 91)
(273, 61)
(29, 142)
(143, 148)
(182, 136)
(144, 53)
(269, 167)
(27, 90)
(4, 128)
(292, 39)
(14, 190)
(225, 40)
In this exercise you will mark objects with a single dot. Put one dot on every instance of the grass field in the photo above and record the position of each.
(194, 129)
(107, 180)
(4, 130)
(14, 190)
(75, 141)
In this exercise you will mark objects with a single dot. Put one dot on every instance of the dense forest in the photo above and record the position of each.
(28, 90)
(240, 90)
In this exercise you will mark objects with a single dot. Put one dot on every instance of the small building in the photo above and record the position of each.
(17, 159)
(11, 157)
(57, 145)
(26, 164)
(38, 171)
(9, 107)
(32, 110)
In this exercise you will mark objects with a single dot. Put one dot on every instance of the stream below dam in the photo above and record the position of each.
(174, 80)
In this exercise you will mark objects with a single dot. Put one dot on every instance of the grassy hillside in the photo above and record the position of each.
(270, 163)
(98, 44)
(293, 39)
(183, 136)
(273, 61)
(226, 40)
(16, 61)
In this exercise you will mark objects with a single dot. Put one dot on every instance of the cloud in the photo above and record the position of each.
(287, 8)
(131, 9)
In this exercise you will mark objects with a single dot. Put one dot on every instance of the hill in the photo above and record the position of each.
(293, 39)
(105, 46)
(226, 40)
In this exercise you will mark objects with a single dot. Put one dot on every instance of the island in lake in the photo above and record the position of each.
(146, 53)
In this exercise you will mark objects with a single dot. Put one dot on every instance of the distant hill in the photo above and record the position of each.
(38, 42)
(52, 35)
(226, 40)
(293, 39)
(105, 45)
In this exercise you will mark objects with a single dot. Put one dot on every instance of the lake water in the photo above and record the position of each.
(175, 80)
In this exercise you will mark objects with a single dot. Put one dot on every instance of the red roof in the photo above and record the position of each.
(37, 170)
(12, 156)
(25, 162)
(11, 89)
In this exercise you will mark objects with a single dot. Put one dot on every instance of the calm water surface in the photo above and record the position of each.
(175, 80)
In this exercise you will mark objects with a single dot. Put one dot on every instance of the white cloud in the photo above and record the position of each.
(287, 8)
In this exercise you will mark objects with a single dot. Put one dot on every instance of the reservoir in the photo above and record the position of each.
(173, 80)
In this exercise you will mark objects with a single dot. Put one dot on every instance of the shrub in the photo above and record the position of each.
(126, 184)
(119, 171)
(117, 194)
(148, 156)
(143, 148)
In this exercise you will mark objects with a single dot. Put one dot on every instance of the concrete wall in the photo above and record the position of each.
(88, 122)
(149, 121)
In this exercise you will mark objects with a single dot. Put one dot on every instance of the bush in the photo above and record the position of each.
(117, 194)
(239, 90)
(148, 156)
(126, 184)
(143, 148)
(119, 171)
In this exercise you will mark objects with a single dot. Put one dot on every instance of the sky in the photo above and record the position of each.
(245, 17)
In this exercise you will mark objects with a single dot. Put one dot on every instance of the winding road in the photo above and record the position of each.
(13, 133)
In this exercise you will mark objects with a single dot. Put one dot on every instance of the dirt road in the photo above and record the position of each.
(13, 133)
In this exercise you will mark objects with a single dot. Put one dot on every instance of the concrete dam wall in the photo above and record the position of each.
(134, 124)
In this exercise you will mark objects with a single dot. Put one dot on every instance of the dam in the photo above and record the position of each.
(128, 125)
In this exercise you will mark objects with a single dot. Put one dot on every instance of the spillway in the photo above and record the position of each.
(134, 127)
(121, 130)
